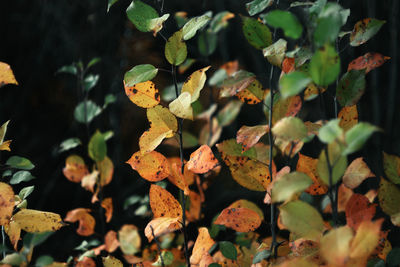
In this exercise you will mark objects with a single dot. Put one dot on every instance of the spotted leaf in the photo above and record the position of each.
(143, 94)
(239, 219)
(152, 166)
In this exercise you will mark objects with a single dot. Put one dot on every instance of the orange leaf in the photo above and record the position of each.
(369, 61)
(202, 245)
(306, 249)
(152, 166)
(243, 203)
(288, 65)
(163, 204)
(250, 135)
(75, 168)
(356, 173)
(308, 166)
(6, 203)
(366, 239)
(240, 219)
(143, 94)
(348, 117)
(6, 75)
(359, 209)
(86, 221)
(111, 241)
(108, 206)
(202, 160)
(160, 226)
(194, 212)
(230, 67)
(182, 181)
(252, 94)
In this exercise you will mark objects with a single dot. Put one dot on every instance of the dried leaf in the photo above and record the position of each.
(75, 169)
(86, 221)
(202, 245)
(248, 136)
(152, 166)
(163, 204)
(202, 160)
(239, 219)
(356, 173)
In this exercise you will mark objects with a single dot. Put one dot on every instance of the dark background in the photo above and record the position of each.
(38, 37)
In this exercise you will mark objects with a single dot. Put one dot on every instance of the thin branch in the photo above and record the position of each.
(158, 246)
(331, 189)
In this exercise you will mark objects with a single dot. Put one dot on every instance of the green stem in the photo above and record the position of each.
(331, 189)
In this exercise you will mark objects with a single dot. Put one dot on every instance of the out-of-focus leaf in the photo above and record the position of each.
(356, 173)
(229, 113)
(207, 43)
(193, 25)
(97, 147)
(288, 185)
(389, 197)
(110, 3)
(330, 131)
(337, 162)
(275, 53)
(20, 163)
(358, 210)
(290, 129)
(25, 192)
(220, 21)
(249, 136)
(357, 136)
(129, 239)
(286, 21)
(69, 144)
(328, 24)
(86, 221)
(325, 65)
(90, 81)
(391, 166)
(308, 166)
(175, 49)
(293, 83)
(75, 169)
(228, 250)
(236, 83)
(86, 111)
(335, 246)
(351, 87)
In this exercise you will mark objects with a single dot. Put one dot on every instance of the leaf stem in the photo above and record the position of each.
(183, 204)
(331, 189)
(158, 246)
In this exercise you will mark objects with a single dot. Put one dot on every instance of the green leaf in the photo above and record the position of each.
(193, 25)
(337, 161)
(175, 49)
(376, 263)
(330, 131)
(256, 33)
(71, 69)
(389, 197)
(328, 24)
(393, 258)
(214, 265)
(391, 166)
(92, 110)
(109, 99)
(364, 29)
(21, 176)
(357, 136)
(229, 113)
(25, 192)
(228, 250)
(207, 43)
(97, 147)
(14, 259)
(351, 87)
(302, 219)
(44, 260)
(69, 144)
(218, 77)
(168, 93)
(34, 239)
(167, 257)
(90, 81)
(262, 255)
(231, 148)
(110, 3)
(290, 129)
(189, 140)
(220, 21)
(293, 83)
(317, 7)
(286, 21)
(257, 6)
(290, 184)
(20, 163)
(141, 15)
(325, 65)
(139, 74)
(93, 61)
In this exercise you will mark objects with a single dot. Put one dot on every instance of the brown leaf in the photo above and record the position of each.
(240, 219)
(202, 245)
(248, 136)
(163, 204)
(359, 209)
(369, 61)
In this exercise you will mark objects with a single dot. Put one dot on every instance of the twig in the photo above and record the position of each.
(158, 246)
(330, 192)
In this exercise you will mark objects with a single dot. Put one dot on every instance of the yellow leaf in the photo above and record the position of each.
(6, 203)
(35, 221)
(143, 94)
(181, 106)
(6, 75)
(111, 261)
(195, 82)
(366, 239)
(348, 117)
(202, 245)
(152, 166)
(335, 246)
(249, 173)
(14, 232)
(5, 145)
(86, 221)
(243, 203)
(151, 138)
(129, 239)
(75, 169)
(163, 204)
(160, 226)
(106, 169)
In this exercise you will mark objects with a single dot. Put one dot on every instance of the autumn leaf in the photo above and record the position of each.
(391, 166)
(202, 245)
(285, 107)
(152, 166)
(364, 29)
(239, 219)
(308, 166)
(195, 83)
(181, 106)
(75, 169)
(194, 212)
(163, 204)
(14, 232)
(111, 261)
(160, 226)
(6, 203)
(248, 136)
(337, 162)
(107, 204)
(369, 61)
(348, 117)
(335, 246)
(35, 221)
(230, 67)
(288, 185)
(163, 124)
(6, 75)
(182, 181)
(288, 65)
(359, 209)
(86, 221)
(356, 173)
(306, 249)
(243, 203)
(236, 83)
(290, 129)
(344, 196)
(202, 160)
(389, 197)
(4, 145)
(252, 94)
(106, 170)
(366, 239)
(144, 94)
(129, 239)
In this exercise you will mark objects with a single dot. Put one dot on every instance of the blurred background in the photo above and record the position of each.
(39, 37)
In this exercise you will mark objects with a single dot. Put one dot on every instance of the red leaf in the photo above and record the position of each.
(359, 209)
(369, 61)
